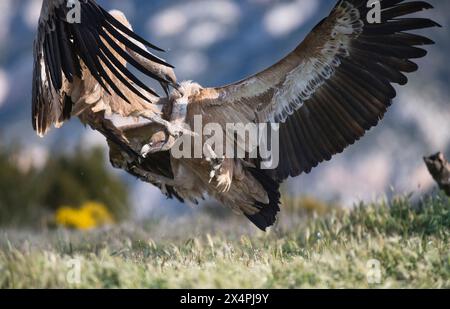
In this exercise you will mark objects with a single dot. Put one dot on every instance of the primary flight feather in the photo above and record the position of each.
(80, 69)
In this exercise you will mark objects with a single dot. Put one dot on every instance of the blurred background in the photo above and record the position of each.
(213, 42)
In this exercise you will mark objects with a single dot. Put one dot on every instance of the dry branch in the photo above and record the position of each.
(439, 168)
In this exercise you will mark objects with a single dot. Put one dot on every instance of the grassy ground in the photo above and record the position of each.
(379, 246)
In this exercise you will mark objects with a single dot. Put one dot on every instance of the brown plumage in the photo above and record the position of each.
(252, 192)
(326, 94)
(80, 69)
(331, 89)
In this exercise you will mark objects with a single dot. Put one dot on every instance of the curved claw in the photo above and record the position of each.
(223, 179)
(159, 143)
(146, 150)
(216, 164)
(223, 183)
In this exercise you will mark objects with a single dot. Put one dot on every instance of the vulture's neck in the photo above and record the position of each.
(179, 104)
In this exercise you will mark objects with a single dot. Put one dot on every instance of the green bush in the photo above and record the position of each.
(27, 196)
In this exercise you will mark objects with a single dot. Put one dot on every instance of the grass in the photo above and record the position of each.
(407, 244)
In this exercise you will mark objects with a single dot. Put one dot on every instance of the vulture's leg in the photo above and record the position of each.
(173, 130)
(212, 158)
(225, 175)
(221, 169)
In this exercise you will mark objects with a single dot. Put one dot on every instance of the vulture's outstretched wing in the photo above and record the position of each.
(333, 87)
(64, 49)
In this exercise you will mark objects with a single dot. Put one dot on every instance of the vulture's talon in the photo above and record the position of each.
(216, 164)
(215, 173)
(146, 150)
(224, 183)
(150, 148)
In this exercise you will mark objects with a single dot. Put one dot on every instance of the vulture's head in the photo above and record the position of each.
(186, 90)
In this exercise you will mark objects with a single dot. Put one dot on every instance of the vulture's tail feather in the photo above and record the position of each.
(268, 214)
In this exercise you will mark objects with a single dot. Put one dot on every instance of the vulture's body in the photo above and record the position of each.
(325, 95)
(252, 192)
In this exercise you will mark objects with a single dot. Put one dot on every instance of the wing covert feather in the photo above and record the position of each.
(334, 86)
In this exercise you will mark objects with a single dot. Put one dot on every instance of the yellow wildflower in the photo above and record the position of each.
(89, 216)
(98, 212)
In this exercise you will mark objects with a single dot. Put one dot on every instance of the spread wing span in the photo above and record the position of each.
(333, 87)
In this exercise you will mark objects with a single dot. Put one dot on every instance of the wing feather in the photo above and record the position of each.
(334, 86)
(64, 51)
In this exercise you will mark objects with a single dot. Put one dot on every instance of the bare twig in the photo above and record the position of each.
(439, 168)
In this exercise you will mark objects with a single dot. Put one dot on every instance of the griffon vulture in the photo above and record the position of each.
(325, 95)
(80, 69)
